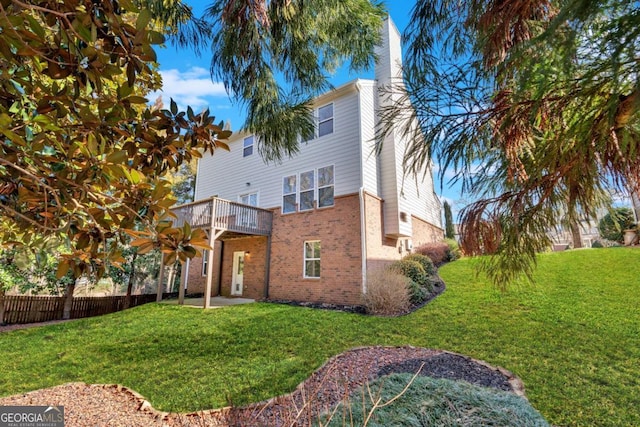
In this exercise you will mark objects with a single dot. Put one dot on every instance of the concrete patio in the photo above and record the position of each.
(216, 302)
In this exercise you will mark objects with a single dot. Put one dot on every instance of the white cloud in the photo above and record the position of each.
(188, 88)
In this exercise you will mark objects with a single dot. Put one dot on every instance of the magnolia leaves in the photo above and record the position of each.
(82, 155)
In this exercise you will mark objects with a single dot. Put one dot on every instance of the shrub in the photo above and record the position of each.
(424, 261)
(387, 292)
(438, 252)
(411, 269)
(597, 244)
(431, 402)
(417, 294)
(613, 224)
(454, 249)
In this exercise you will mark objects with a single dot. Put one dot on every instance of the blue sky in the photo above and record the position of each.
(186, 79)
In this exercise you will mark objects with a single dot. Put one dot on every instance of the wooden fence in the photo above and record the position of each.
(30, 309)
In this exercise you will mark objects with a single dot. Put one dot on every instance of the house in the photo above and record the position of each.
(311, 227)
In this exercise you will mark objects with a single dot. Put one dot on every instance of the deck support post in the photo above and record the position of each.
(160, 280)
(184, 272)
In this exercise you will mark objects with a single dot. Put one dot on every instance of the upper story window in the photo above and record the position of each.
(323, 123)
(307, 190)
(325, 120)
(289, 190)
(247, 146)
(325, 187)
(313, 189)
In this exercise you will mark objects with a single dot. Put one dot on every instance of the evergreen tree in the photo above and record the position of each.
(449, 228)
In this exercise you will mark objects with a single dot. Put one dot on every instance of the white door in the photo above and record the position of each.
(237, 277)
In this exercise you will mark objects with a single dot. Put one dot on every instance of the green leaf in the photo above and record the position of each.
(92, 144)
(143, 19)
(117, 157)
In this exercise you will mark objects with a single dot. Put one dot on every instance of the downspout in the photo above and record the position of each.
(363, 240)
(363, 221)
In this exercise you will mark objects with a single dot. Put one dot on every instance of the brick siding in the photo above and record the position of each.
(338, 230)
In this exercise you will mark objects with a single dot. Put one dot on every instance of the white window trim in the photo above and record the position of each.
(205, 262)
(313, 190)
(295, 193)
(305, 259)
(332, 118)
(257, 193)
(252, 145)
(316, 190)
(326, 186)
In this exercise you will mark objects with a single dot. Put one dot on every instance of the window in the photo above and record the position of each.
(250, 199)
(323, 123)
(312, 259)
(310, 136)
(307, 190)
(325, 186)
(247, 149)
(248, 217)
(325, 120)
(289, 189)
(316, 190)
(205, 261)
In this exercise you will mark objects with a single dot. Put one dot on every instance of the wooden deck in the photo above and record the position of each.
(220, 214)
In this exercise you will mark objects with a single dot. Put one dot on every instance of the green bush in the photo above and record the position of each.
(454, 249)
(411, 269)
(613, 224)
(597, 244)
(417, 294)
(424, 261)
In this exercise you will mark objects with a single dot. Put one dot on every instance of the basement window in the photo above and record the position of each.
(312, 259)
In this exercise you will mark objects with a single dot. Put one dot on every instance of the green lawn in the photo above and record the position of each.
(573, 338)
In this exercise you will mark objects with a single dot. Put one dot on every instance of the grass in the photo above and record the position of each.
(573, 338)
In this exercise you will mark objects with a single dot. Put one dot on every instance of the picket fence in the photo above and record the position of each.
(30, 309)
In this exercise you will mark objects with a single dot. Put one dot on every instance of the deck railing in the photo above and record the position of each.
(227, 215)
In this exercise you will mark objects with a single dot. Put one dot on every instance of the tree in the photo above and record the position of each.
(450, 231)
(613, 224)
(534, 104)
(274, 57)
(83, 157)
(183, 183)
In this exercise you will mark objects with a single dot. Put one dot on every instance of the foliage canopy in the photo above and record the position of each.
(534, 104)
(82, 155)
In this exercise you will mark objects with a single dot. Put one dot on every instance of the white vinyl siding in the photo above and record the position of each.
(370, 162)
(312, 259)
(228, 173)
